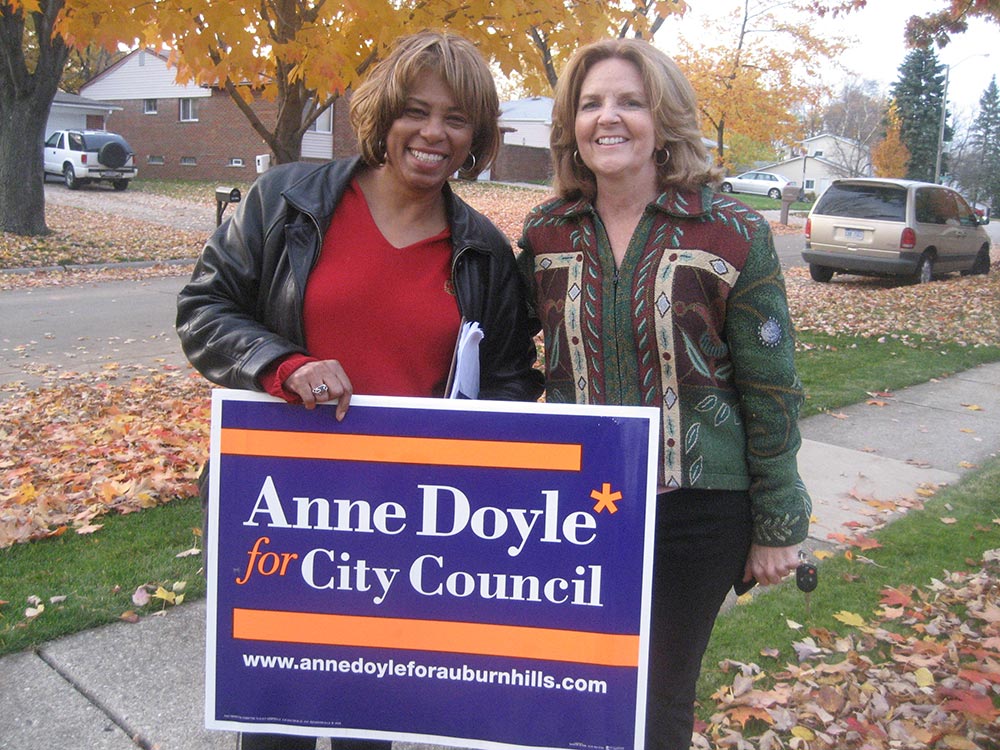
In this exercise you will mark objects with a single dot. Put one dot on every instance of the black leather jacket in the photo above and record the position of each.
(242, 309)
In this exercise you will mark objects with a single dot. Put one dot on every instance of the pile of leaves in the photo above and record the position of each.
(961, 309)
(81, 237)
(922, 672)
(87, 444)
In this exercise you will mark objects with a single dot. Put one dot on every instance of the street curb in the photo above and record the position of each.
(99, 266)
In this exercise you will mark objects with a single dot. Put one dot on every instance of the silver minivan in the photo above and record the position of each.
(888, 227)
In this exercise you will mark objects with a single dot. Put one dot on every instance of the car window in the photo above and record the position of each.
(935, 206)
(96, 140)
(75, 142)
(966, 216)
(54, 141)
(884, 202)
(948, 208)
(922, 206)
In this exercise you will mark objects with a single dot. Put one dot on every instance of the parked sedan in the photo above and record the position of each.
(757, 183)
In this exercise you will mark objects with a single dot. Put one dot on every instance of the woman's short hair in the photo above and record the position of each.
(675, 118)
(381, 98)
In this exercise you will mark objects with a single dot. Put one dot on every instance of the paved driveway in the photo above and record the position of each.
(134, 204)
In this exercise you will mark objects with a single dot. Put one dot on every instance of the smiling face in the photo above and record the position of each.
(614, 126)
(430, 139)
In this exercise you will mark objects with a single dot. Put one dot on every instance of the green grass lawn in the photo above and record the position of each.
(92, 578)
(196, 190)
(838, 371)
(763, 203)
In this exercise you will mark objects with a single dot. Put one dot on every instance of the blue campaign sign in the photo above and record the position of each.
(467, 573)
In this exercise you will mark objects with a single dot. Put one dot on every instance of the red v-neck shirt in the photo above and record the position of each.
(388, 314)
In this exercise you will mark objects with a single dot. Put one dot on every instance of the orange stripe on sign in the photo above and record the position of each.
(434, 635)
(497, 454)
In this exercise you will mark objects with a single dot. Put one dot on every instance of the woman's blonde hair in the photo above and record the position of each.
(380, 99)
(674, 109)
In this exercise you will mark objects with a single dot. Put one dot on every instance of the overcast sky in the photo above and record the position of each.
(878, 48)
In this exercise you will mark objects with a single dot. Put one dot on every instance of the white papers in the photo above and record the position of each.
(465, 379)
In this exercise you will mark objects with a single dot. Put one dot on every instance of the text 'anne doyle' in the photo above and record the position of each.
(444, 512)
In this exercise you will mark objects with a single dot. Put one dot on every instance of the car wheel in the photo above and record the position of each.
(822, 274)
(112, 155)
(925, 269)
(774, 194)
(120, 184)
(982, 264)
(69, 177)
(726, 187)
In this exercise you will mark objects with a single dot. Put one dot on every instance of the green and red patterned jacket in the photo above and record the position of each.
(695, 322)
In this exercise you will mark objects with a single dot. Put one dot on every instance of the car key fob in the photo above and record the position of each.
(805, 577)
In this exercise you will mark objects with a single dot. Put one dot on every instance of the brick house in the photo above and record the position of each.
(524, 154)
(185, 131)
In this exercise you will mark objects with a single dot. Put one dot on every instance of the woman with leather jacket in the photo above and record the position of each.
(355, 275)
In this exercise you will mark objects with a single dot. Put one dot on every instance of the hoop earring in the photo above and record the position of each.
(665, 155)
(466, 167)
(577, 160)
(383, 153)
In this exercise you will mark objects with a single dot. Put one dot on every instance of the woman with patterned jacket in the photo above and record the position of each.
(655, 291)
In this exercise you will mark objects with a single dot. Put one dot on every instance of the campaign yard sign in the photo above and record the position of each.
(465, 573)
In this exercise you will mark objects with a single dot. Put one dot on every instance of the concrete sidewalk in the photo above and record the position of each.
(123, 686)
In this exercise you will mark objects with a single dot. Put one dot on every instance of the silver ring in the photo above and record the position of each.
(321, 388)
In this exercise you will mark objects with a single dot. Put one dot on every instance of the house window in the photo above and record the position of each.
(188, 110)
(810, 184)
(323, 123)
(818, 153)
(189, 161)
(156, 160)
(149, 106)
(236, 161)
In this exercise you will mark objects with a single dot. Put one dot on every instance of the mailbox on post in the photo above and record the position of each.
(223, 197)
(789, 194)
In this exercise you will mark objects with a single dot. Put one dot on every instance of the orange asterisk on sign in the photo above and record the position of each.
(606, 499)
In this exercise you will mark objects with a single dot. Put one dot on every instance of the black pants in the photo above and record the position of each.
(702, 541)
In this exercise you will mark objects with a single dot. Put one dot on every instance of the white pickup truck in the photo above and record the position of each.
(82, 156)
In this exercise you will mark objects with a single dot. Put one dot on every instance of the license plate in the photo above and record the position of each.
(854, 234)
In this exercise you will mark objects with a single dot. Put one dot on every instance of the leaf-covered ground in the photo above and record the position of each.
(923, 671)
(118, 441)
(125, 438)
(88, 444)
(79, 237)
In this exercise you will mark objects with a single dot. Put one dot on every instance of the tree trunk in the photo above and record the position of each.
(285, 141)
(288, 129)
(25, 100)
(22, 189)
(720, 146)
